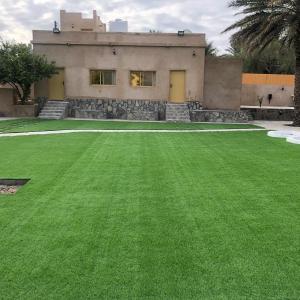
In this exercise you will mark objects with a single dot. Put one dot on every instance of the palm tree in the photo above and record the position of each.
(211, 50)
(266, 21)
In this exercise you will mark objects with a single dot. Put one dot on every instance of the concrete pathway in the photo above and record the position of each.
(7, 119)
(124, 131)
(276, 125)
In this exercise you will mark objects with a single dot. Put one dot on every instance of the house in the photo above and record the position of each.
(70, 21)
(133, 75)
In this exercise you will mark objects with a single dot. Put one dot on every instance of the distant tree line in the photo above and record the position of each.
(274, 59)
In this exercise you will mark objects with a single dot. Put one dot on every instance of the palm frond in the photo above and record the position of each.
(265, 21)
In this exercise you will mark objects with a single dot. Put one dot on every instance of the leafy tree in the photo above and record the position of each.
(266, 21)
(274, 59)
(20, 68)
(211, 50)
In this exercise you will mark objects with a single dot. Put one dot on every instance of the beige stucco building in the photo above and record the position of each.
(173, 65)
(73, 21)
(157, 67)
(140, 75)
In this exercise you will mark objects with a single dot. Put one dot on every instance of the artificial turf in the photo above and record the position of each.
(151, 216)
(20, 125)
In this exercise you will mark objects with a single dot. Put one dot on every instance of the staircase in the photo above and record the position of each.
(54, 110)
(177, 113)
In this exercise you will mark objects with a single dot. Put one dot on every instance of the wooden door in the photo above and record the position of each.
(177, 86)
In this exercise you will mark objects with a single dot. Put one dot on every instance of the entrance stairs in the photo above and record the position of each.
(54, 110)
(177, 113)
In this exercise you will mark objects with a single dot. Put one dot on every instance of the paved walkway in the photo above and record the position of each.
(276, 125)
(124, 131)
(7, 119)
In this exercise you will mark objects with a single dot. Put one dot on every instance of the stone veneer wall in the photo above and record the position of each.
(117, 109)
(270, 114)
(220, 116)
(145, 110)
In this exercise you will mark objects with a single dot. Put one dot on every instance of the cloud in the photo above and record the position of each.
(18, 18)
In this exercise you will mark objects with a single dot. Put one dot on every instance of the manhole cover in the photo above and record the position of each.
(11, 186)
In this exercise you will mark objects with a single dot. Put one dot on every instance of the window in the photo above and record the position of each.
(142, 78)
(103, 77)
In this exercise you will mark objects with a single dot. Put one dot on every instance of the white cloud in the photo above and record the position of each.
(17, 19)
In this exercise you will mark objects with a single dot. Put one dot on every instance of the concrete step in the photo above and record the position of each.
(178, 120)
(54, 110)
(57, 102)
(51, 109)
(177, 116)
(50, 115)
(55, 106)
(50, 118)
(177, 113)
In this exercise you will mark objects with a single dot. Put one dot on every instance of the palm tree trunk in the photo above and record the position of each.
(297, 73)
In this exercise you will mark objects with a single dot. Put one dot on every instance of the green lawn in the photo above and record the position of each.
(20, 125)
(151, 216)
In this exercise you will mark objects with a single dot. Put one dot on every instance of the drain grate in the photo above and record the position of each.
(11, 186)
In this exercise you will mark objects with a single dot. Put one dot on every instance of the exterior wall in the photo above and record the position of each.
(117, 109)
(281, 95)
(146, 110)
(115, 39)
(74, 22)
(269, 79)
(220, 116)
(134, 52)
(8, 108)
(270, 114)
(41, 89)
(6, 101)
(222, 83)
(261, 85)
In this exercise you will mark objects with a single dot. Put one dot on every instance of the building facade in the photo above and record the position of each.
(118, 25)
(73, 21)
(140, 66)
(134, 75)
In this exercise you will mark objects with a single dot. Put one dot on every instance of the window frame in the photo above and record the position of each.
(143, 86)
(101, 71)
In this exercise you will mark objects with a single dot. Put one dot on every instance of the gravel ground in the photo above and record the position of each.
(8, 189)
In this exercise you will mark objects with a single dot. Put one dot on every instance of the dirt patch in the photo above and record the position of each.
(8, 190)
(11, 186)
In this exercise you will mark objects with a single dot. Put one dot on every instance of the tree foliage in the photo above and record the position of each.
(266, 21)
(20, 68)
(211, 50)
(274, 59)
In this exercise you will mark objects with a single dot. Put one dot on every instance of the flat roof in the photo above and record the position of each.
(195, 40)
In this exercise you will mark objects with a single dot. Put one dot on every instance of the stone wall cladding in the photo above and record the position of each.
(150, 110)
(117, 109)
(219, 116)
(194, 105)
(269, 114)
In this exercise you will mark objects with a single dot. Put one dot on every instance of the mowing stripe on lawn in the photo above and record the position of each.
(125, 131)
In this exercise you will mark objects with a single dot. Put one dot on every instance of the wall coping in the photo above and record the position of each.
(69, 38)
(267, 107)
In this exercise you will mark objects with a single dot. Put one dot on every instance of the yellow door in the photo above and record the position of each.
(56, 86)
(177, 86)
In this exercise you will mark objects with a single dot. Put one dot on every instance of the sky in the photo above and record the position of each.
(19, 17)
